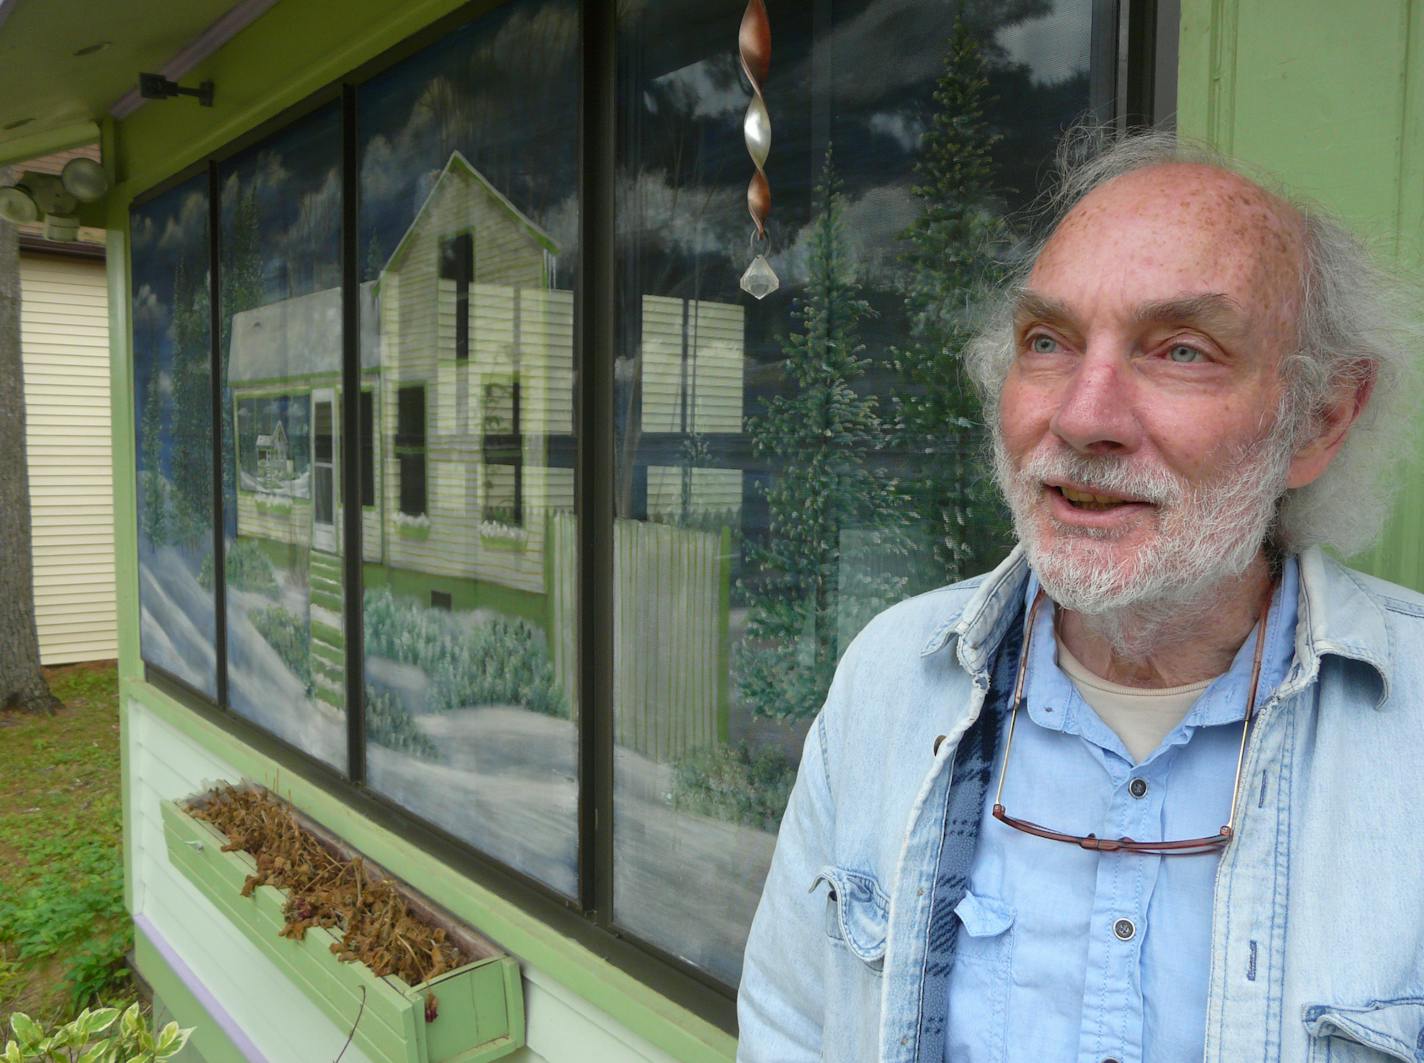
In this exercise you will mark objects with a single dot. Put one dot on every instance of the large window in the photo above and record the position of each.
(790, 466)
(469, 231)
(280, 339)
(759, 476)
(172, 345)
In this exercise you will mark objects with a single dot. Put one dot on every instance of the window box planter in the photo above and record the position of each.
(477, 1012)
(414, 528)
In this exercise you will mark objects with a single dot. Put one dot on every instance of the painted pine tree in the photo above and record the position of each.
(835, 517)
(191, 462)
(949, 255)
(153, 517)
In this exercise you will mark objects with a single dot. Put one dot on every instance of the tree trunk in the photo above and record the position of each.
(21, 682)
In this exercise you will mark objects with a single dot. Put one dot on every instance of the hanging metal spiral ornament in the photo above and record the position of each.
(754, 48)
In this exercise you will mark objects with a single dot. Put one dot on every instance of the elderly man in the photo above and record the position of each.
(1148, 790)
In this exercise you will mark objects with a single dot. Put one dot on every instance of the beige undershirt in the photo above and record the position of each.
(1141, 716)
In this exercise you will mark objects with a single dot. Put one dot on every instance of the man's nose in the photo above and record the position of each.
(1095, 411)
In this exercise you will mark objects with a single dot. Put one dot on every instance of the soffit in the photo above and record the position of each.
(49, 96)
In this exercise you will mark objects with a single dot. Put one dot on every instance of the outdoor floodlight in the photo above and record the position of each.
(54, 198)
(84, 179)
(17, 207)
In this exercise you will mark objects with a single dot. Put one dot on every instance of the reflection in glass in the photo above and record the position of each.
(280, 316)
(468, 226)
(172, 375)
(789, 467)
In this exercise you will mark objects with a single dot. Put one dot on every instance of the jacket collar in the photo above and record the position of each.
(1339, 616)
(1336, 615)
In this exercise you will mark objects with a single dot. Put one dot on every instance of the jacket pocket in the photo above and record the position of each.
(857, 920)
(979, 982)
(1368, 1033)
(857, 913)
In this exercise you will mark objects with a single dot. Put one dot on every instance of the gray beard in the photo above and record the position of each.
(1208, 536)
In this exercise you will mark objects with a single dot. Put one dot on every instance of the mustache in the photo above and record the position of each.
(1104, 474)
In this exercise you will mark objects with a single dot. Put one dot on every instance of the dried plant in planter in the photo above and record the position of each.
(377, 925)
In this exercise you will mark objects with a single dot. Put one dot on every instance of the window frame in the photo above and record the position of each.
(1124, 33)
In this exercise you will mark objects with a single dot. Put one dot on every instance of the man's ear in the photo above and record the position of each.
(1347, 402)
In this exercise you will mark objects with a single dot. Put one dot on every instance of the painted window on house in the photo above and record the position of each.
(457, 265)
(173, 400)
(789, 467)
(411, 451)
(502, 451)
(469, 228)
(368, 448)
(279, 314)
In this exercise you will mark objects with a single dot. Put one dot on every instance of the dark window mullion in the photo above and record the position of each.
(215, 386)
(594, 333)
(351, 446)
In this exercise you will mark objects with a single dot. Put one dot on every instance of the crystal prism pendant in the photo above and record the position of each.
(760, 279)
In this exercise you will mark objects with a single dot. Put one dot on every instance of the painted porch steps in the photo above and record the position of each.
(328, 641)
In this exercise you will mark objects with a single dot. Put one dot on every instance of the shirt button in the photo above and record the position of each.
(1110, 1060)
(1137, 788)
(1124, 929)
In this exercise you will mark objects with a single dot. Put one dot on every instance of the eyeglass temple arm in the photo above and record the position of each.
(1018, 696)
(1230, 829)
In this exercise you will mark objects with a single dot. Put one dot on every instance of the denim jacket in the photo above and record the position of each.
(1318, 912)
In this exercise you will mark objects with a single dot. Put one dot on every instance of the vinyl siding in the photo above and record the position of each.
(64, 337)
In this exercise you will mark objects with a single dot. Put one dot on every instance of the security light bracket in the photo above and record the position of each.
(158, 87)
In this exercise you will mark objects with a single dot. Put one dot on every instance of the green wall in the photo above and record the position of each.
(1326, 95)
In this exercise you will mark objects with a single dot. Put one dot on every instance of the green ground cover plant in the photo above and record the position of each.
(499, 662)
(288, 635)
(389, 724)
(734, 784)
(247, 569)
(63, 929)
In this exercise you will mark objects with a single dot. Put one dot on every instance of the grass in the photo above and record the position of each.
(63, 929)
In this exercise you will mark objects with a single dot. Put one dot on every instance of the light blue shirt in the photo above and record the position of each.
(1067, 954)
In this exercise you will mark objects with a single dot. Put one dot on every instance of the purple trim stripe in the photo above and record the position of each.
(204, 996)
(228, 26)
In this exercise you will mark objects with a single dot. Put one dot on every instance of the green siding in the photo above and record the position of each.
(1324, 95)
(208, 1039)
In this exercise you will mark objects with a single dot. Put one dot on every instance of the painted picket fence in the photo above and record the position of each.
(670, 610)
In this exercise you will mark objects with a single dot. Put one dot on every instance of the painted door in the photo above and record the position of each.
(325, 503)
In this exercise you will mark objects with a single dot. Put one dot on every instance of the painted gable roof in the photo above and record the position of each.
(457, 167)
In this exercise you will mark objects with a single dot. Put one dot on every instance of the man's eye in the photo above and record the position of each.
(1043, 344)
(1182, 354)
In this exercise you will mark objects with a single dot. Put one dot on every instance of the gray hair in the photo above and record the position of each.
(1358, 323)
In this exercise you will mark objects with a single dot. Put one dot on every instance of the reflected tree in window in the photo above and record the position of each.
(950, 255)
(836, 516)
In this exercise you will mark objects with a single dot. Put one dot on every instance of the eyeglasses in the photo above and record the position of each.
(1183, 847)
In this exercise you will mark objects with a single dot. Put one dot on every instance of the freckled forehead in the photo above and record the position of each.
(1189, 224)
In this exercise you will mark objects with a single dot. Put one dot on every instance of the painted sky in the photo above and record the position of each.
(296, 176)
(502, 90)
(169, 228)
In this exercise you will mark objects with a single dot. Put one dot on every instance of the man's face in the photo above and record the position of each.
(1135, 424)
